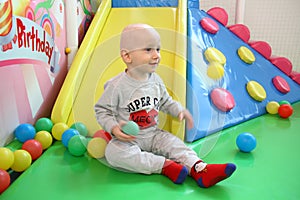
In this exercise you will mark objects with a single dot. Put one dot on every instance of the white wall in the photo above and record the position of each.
(274, 21)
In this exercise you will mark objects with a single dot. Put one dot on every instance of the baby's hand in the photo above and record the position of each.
(117, 132)
(185, 114)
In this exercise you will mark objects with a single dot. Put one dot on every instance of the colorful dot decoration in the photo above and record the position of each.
(246, 55)
(209, 25)
(215, 70)
(221, 97)
(280, 84)
(256, 91)
(212, 54)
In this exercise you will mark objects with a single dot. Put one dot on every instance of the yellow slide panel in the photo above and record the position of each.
(98, 60)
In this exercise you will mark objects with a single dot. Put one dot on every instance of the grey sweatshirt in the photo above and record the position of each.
(125, 98)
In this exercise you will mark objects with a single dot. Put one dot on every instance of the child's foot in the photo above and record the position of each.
(174, 171)
(207, 175)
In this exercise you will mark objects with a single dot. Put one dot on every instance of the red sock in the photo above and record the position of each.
(212, 173)
(174, 171)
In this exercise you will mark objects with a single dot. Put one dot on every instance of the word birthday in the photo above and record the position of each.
(32, 40)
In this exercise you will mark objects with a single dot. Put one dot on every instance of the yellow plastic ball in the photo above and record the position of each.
(45, 138)
(58, 129)
(22, 160)
(6, 158)
(96, 147)
(272, 107)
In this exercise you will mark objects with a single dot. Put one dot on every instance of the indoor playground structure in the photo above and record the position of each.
(244, 101)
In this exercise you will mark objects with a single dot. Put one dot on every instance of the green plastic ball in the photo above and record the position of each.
(43, 124)
(131, 128)
(77, 145)
(284, 102)
(81, 128)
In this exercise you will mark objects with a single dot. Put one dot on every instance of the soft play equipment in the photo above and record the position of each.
(269, 171)
(98, 60)
(225, 78)
(230, 78)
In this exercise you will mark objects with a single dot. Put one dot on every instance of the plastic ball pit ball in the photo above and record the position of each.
(103, 134)
(96, 147)
(272, 107)
(4, 180)
(67, 135)
(6, 158)
(43, 124)
(77, 145)
(284, 102)
(131, 128)
(22, 160)
(81, 128)
(45, 138)
(24, 132)
(246, 142)
(33, 147)
(58, 129)
(285, 110)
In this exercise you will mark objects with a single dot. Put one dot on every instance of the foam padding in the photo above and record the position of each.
(98, 60)
(208, 118)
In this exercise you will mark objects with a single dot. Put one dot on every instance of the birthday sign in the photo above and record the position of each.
(34, 40)
(28, 42)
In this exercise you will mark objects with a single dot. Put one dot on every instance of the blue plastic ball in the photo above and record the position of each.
(246, 142)
(67, 135)
(25, 132)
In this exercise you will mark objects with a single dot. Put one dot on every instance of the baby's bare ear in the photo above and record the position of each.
(125, 56)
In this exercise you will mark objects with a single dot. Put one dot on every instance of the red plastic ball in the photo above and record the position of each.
(34, 148)
(103, 134)
(285, 110)
(4, 180)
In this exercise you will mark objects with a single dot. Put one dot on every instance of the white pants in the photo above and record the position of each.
(148, 152)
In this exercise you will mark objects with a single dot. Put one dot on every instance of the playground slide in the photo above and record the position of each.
(98, 60)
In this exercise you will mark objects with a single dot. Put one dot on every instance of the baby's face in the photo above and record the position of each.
(143, 46)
